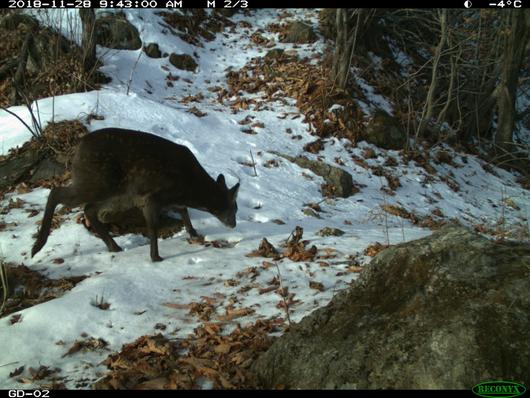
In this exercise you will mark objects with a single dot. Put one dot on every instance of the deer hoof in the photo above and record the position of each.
(115, 248)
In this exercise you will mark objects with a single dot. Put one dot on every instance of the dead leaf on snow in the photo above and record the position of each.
(316, 285)
(237, 313)
(17, 372)
(374, 249)
(195, 111)
(265, 249)
(90, 344)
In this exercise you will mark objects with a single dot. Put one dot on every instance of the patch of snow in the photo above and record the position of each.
(133, 285)
(375, 100)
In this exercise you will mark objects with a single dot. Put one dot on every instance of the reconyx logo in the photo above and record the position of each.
(497, 389)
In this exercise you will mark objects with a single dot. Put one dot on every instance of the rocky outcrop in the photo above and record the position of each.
(114, 31)
(42, 160)
(384, 131)
(274, 55)
(11, 21)
(13, 170)
(339, 182)
(183, 61)
(152, 50)
(47, 169)
(299, 32)
(443, 312)
(226, 12)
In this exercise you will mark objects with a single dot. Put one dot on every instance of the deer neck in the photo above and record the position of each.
(206, 193)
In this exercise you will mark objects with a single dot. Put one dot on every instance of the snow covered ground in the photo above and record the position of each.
(138, 290)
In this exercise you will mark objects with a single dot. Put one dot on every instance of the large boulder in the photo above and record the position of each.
(47, 169)
(11, 21)
(183, 61)
(152, 50)
(46, 48)
(339, 182)
(299, 32)
(114, 31)
(226, 12)
(384, 131)
(276, 54)
(13, 169)
(443, 312)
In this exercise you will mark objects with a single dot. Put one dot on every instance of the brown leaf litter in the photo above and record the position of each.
(44, 376)
(295, 248)
(194, 24)
(307, 83)
(28, 288)
(52, 151)
(374, 249)
(433, 221)
(88, 344)
(265, 249)
(49, 78)
(155, 362)
(218, 243)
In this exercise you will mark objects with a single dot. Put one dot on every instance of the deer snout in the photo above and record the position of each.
(228, 218)
(228, 222)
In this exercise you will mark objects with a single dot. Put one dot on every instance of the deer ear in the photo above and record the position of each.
(221, 180)
(234, 190)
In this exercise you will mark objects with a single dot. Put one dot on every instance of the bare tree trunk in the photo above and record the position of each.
(477, 73)
(428, 107)
(88, 41)
(343, 48)
(349, 24)
(505, 93)
(19, 79)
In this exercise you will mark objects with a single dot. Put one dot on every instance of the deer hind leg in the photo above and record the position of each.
(91, 212)
(59, 195)
(151, 211)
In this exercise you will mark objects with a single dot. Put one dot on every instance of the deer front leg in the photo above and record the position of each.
(187, 222)
(151, 211)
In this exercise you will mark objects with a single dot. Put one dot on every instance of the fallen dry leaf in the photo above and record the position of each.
(237, 313)
(195, 111)
(226, 365)
(374, 249)
(316, 285)
(222, 348)
(268, 289)
(265, 249)
(160, 383)
(90, 344)
(17, 372)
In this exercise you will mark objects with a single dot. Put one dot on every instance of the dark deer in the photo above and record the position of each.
(121, 169)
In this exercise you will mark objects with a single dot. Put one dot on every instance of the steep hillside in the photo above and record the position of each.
(242, 113)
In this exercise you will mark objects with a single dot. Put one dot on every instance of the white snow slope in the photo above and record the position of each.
(136, 288)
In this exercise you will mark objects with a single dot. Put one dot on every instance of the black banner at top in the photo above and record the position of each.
(242, 4)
